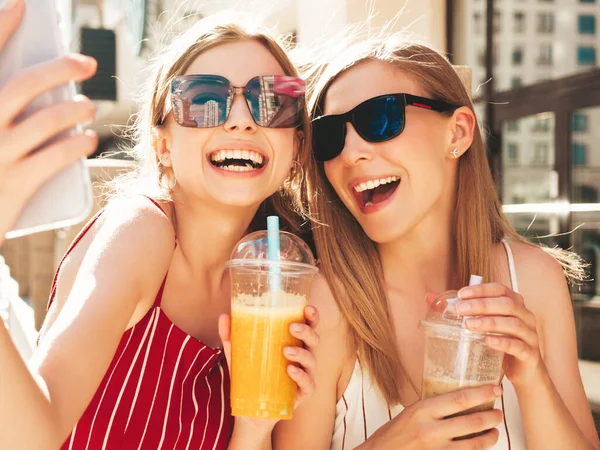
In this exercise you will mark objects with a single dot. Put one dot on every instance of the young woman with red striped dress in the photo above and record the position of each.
(129, 356)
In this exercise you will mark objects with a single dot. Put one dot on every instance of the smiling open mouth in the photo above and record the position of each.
(237, 160)
(372, 192)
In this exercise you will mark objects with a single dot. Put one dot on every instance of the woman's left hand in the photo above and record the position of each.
(501, 310)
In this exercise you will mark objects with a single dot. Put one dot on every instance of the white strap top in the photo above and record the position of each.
(362, 409)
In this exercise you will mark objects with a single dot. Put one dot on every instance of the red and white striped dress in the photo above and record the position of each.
(163, 390)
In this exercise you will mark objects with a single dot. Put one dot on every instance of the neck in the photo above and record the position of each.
(424, 258)
(207, 233)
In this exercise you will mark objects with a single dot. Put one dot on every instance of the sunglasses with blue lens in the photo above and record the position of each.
(204, 101)
(377, 119)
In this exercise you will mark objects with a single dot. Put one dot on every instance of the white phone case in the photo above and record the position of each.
(67, 198)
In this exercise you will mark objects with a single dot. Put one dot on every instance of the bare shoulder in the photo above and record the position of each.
(322, 298)
(138, 214)
(128, 225)
(542, 282)
(131, 219)
(131, 235)
(536, 267)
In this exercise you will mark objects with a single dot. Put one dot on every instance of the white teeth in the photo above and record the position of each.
(237, 168)
(372, 184)
(242, 155)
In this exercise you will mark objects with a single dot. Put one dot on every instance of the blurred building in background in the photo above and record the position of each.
(536, 87)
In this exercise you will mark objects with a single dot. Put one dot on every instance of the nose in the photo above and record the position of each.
(356, 149)
(239, 117)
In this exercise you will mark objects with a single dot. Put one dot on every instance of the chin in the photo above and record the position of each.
(245, 200)
(383, 230)
(381, 234)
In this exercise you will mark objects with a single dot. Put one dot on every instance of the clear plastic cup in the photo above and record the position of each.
(266, 297)
(455, 357)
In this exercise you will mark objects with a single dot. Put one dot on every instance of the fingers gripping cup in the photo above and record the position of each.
(455, 357)
(271, 279)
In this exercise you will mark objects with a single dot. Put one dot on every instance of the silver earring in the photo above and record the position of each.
(455, 152)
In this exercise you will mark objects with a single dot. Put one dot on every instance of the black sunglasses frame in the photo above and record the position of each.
(339, 121)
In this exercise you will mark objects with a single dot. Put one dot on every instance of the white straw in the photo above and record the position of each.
(462, 354)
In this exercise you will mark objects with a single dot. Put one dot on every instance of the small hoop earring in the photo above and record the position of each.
(297, 170)
(161, 175)
(455, 152)
(170, 187)
(162, 158)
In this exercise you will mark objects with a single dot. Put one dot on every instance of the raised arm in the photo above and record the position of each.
(122, 268)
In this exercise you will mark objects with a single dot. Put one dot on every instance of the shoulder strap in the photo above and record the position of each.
(155, 203)
(78, 238)
(511, 267)
(159, 294)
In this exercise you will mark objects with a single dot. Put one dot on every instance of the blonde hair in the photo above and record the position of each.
(150, 177)
(349, 259)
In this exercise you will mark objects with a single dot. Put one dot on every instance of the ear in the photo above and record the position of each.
(161, 146)
(462, 127)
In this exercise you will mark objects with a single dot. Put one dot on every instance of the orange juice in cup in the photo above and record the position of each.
(267, 296)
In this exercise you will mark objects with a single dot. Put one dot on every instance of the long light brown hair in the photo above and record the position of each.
(151, 178)
(349, 259)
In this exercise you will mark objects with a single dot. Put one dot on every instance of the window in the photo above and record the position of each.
(587, 1)
(587, 24)
(519, 25)
(545, 22)
(516, 82)
(513, 152)
(541, 124)
(545, 55)
(586, 56)
(540, 154)
(585, 194)
(579, 154)
(517, 56)
(512, 125)
(580, 122)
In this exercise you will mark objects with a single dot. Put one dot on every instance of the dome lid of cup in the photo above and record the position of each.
(442, 315)
(253, 250)
(442, 310)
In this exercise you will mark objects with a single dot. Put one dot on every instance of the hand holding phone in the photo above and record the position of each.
(42, 177)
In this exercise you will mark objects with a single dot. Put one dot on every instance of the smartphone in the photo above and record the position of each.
(67, 198)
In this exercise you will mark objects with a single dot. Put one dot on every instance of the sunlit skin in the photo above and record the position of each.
(190, 148)
(425, 194)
